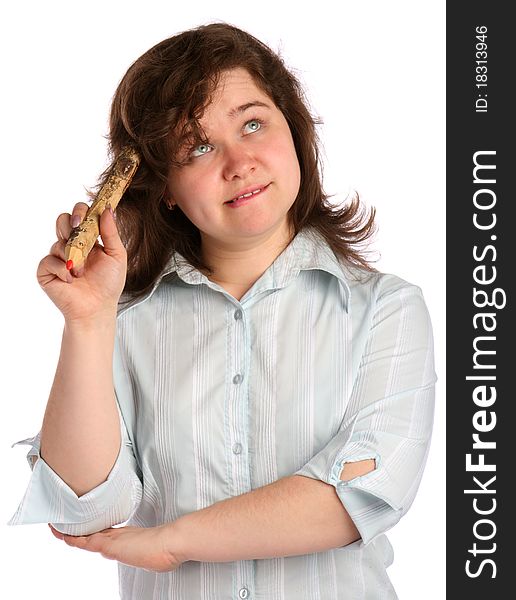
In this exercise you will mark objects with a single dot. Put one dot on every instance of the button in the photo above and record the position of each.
(238, 314)
(237, 448)
(243, 593)
(237, 378)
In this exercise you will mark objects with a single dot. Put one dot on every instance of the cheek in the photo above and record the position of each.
(185, 190)
(289, 164)
(284, 154)
(179, 182)
(194, 196)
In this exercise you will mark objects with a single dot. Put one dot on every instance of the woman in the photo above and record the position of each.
(276, 392)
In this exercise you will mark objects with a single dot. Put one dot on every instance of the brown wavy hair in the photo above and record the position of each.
(158, 105)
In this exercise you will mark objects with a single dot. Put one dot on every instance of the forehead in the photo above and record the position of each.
(236, 91)
(233, 85)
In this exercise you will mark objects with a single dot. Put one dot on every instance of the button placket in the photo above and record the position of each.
(238, 429)
(238, 378)
(238, 357)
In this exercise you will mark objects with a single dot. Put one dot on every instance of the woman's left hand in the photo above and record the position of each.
(142, 547)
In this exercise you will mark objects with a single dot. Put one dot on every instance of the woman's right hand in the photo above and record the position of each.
(94, 290)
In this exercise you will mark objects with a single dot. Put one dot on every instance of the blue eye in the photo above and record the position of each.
(254, 125)
(201, 149)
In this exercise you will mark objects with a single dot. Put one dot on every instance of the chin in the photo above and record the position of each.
(262, 228)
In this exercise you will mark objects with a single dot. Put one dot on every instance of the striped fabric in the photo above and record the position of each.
(317, 365)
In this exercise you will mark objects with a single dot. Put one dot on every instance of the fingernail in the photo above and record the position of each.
(111, 211)
(76, 219)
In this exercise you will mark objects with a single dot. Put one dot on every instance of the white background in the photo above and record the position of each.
(374, 71)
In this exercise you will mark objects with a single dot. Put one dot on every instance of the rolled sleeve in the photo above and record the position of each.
(48, 499)
(389, 417)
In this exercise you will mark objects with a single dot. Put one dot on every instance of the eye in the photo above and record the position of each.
(201, 149)
(253, 125)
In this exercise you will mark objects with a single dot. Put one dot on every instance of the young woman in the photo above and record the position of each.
(235, 381)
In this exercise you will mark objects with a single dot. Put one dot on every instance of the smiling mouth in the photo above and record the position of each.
(239, 199)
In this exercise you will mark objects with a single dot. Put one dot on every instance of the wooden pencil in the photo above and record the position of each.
(83, 237)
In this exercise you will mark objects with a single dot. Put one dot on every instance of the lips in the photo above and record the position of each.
(246, 194)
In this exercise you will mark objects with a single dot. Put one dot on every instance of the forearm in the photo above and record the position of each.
(80, 437)
(292, 516)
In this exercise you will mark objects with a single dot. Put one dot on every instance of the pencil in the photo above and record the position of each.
(83, 237)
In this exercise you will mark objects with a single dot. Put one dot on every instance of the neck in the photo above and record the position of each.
(237, 266)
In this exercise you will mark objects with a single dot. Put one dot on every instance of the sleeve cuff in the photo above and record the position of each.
(372, 515)
(48, 499)
(366, 498)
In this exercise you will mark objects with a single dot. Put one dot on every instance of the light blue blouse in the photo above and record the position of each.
(318, 364)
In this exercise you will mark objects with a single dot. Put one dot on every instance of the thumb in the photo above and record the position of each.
(109, 233)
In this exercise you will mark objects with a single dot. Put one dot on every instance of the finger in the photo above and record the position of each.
(55, 533)
(75, 542)
(109, 233)
(78, 213)
(58, 249)
(51, 267)
(91, 543)
(66, 221)
(63, 227)
(71, 540)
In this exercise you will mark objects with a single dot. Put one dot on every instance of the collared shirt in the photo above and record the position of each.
(318, 364)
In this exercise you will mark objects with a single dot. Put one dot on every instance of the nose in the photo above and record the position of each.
(238, 162)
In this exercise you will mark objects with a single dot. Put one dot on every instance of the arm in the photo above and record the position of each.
(292, 516)
(80, 437)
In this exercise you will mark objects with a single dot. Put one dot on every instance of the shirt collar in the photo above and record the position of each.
(307, 251)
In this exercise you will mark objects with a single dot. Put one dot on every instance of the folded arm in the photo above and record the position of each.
(292, 516)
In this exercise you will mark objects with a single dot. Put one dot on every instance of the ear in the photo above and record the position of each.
(167, 199)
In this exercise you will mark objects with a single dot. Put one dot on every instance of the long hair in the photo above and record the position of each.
(159, 103)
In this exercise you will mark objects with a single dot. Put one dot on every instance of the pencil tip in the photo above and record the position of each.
(69, 264)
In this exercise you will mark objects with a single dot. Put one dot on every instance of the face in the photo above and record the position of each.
(249, 151)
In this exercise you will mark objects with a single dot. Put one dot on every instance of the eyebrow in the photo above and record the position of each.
(234, 112)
